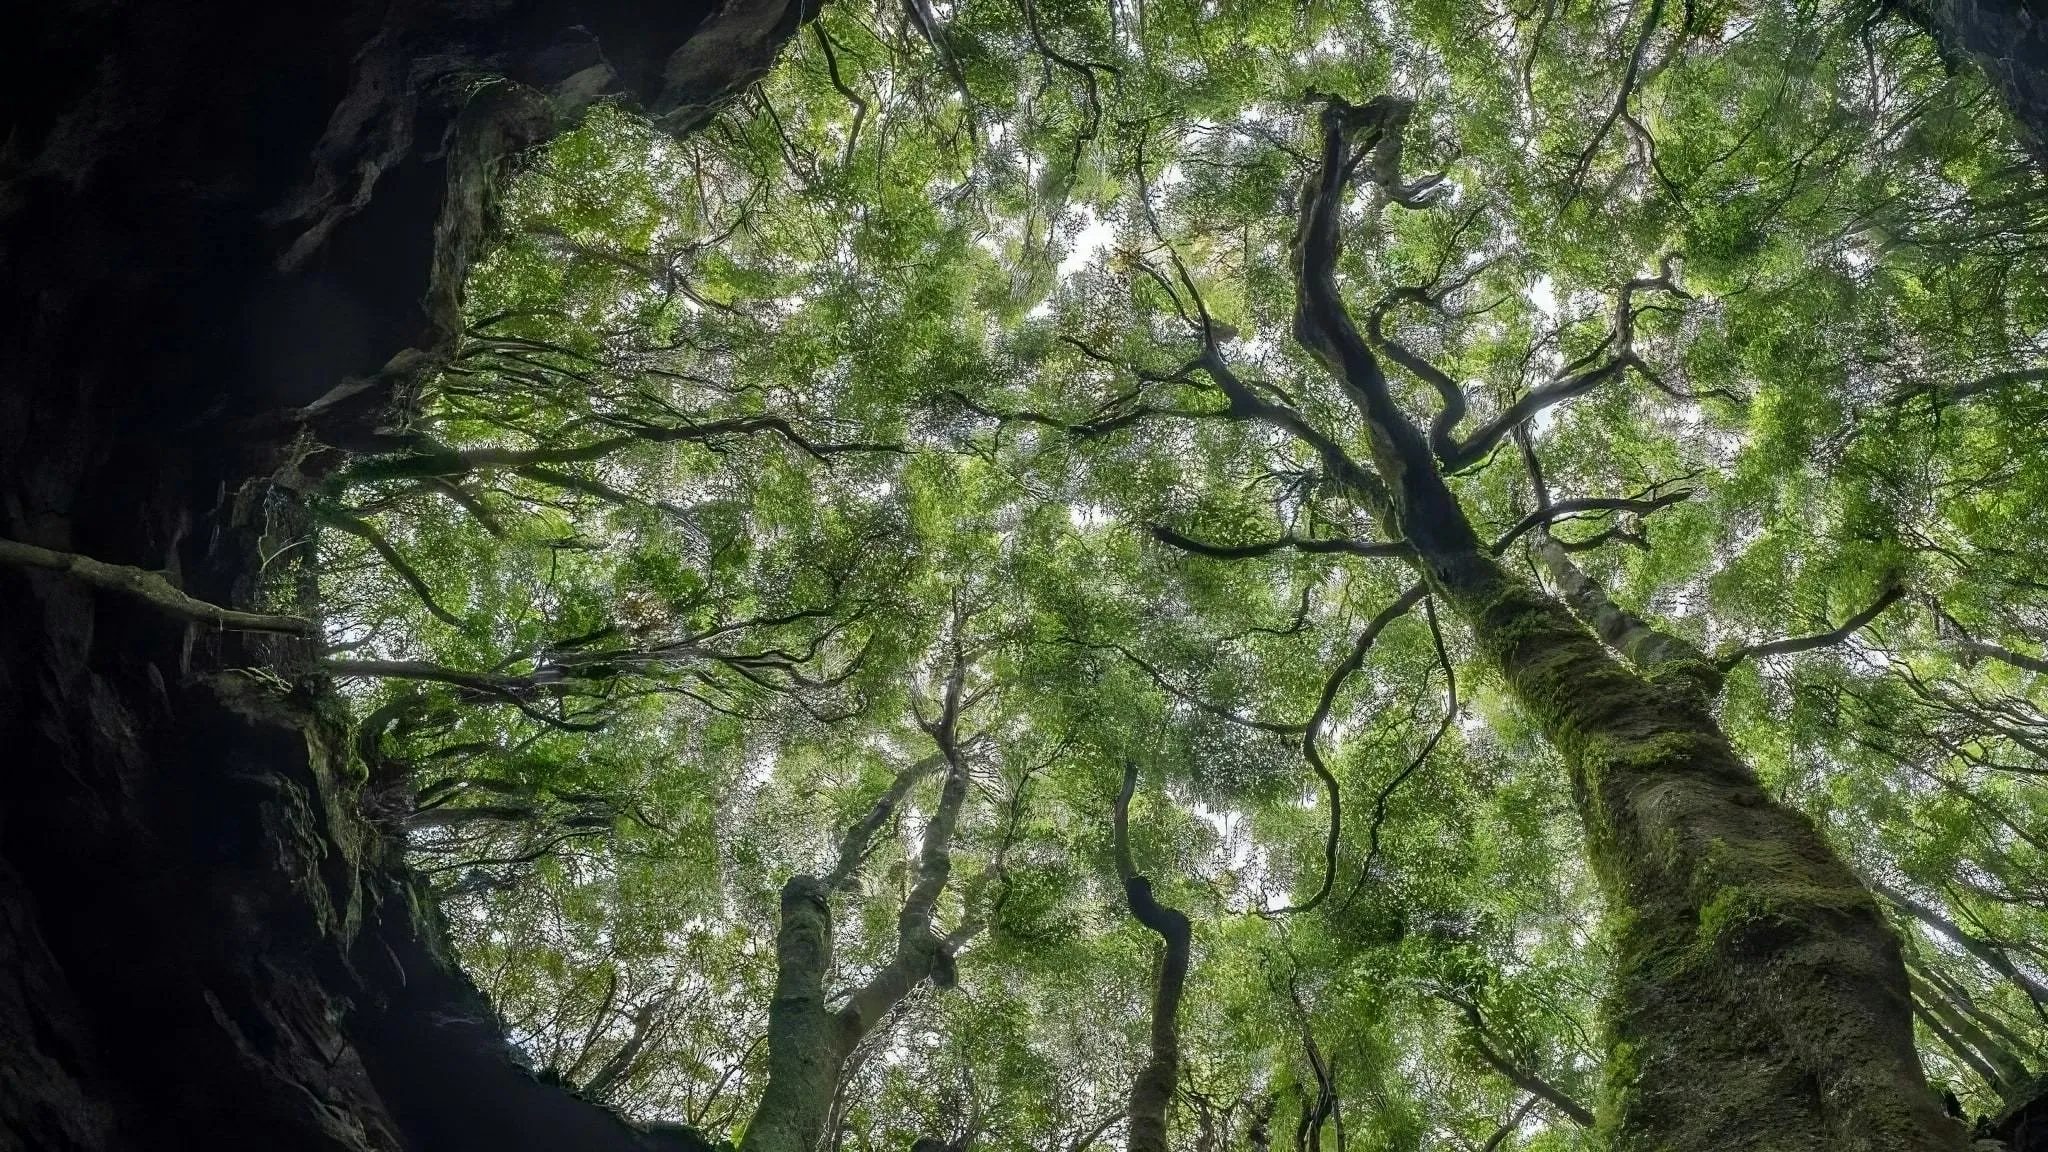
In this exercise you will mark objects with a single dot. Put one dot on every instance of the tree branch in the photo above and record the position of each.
(1628, 86)
(853, 847)
(1386, 794)
(1168, 536)
(1521, 1077)
(1645, 645)
(1945, 394)
(1989, 953)
(431, 460)
(1886, 599)
(359, 527)
(1152, 1092)
(1577, 379)
(152, 588)
(1565, 509)
(1366, 639)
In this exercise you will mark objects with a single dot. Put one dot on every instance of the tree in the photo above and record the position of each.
(272, 182)
(1079, 401)
(709, 436)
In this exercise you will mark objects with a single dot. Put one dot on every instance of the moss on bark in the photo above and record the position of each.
(1759, 999)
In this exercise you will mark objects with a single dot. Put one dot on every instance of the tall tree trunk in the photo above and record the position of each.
(809, 1044)
(1759, 998)
(213, 217)
(804, 1050)
(1152, 1091)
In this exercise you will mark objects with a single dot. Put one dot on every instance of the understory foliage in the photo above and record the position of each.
(880, 405)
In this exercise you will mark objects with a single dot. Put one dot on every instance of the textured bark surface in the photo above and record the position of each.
(804, 1053)
(2008, 39)
(1759, 998)
(1153, 1090)
(213, 218)
(810, 1043)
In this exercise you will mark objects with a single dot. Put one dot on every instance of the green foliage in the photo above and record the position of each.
(743, 422)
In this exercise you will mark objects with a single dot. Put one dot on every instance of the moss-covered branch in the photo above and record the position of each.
(151, 588)
(1760, 1000)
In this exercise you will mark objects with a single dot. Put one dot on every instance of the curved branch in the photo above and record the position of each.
(1386, 794)
(1442, 427)
(152, 588)
(1082, 1142)
(432, 460)
(1521, 1077)
(359, 527)
(1085, 69)
(468, 501)
(645, 1022)
(1170, 688)
(918, 947)
(1421, 507)
(1562, 509)
(1152, 1092)
(1577, 378)
(509, 689)
(860, 106)
(1174, 539)
(1890, 596)
(1392, 612)
(853, 847)
(1628, 87)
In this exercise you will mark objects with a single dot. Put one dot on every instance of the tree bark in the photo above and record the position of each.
(1152, 1091)
(2008, 39)
(1759, 999)
(809, 1043)
(219, 220)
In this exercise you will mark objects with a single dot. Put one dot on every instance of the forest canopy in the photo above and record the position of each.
(1017, 588)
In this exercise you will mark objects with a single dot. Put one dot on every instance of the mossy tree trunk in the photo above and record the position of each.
(2008, 39)
(810, 1043)
(1759, 999)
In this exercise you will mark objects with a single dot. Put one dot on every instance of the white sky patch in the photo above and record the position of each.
(1087, 244)
(1543, 296)
(1235, 849)
(1088, 516)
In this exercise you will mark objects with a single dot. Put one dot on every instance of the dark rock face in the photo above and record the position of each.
(2008, 39)
(212, 213)
(2023, 1125)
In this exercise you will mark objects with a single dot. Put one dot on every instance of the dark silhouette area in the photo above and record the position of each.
(211, 216)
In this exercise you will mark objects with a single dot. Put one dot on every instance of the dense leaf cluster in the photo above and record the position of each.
(907, 368)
